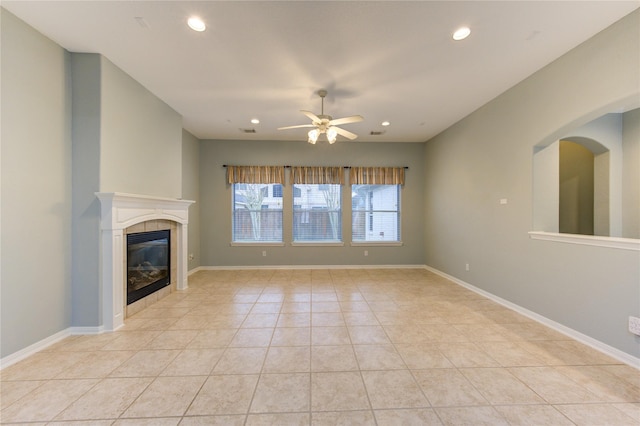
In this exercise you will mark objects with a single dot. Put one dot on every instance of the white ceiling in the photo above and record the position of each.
(384, 60)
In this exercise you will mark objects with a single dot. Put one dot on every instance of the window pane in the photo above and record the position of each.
(316, 213)
(256, 216)
(375, 213)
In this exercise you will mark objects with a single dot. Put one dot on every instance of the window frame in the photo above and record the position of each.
(296, 208)
(260, 210)
(369, 213)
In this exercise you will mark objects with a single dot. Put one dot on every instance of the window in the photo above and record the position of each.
(277, 191)
(317, 213)
(375, 213)
(256, 216)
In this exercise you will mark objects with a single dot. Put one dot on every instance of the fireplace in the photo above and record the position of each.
(122, 214)
(148, 263)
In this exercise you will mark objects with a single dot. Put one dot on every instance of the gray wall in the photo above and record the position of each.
(191, 191)
(215, 196)
(86, 112)
(488, 156)
(36, 187)
(141, 138)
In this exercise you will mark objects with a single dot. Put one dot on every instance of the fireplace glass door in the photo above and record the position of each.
(148, 263)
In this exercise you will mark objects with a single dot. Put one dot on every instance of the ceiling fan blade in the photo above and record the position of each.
(347, 134)
(346, 120)
(312, 116)
(296, 127)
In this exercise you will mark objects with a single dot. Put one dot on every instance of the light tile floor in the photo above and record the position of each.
(322, 347)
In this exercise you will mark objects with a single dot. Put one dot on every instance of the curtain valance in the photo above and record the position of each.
(317, 175)
(255, 174)
(376, 176)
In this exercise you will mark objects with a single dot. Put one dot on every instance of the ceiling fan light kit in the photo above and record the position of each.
(313, 136)
(326, 124)
(331, 135)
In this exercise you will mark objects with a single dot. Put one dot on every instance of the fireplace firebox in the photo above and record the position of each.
(148, 263)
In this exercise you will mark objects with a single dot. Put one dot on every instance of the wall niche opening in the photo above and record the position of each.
(585, 180)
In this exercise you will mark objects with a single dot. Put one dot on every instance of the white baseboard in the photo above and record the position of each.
(32, 349)
(46, 342)
(194, 270)
(576, 335)
(86, 330)
(255, 267)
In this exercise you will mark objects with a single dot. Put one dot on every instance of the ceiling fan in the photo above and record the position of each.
(326, 124)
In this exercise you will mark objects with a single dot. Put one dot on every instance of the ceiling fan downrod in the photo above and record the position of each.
(322, 93)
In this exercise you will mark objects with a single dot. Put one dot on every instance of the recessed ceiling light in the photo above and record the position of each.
(196, 24)
(461, 33)
(385, 123)
(255, 121)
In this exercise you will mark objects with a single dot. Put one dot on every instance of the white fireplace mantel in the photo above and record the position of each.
(118, 212)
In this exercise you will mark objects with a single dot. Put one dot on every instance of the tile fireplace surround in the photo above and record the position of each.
(119, 211)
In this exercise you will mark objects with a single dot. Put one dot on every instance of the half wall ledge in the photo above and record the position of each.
(588, 240)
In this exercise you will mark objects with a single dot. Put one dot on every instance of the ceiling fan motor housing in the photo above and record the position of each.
(323, 124)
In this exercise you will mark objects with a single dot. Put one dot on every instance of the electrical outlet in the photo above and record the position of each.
(191, 256)
(634, 325)
(466, 266)
(264, 253)
(366, 252)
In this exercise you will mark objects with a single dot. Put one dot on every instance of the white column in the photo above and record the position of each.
(182, 257)
(112, 279)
